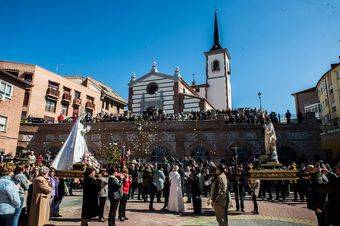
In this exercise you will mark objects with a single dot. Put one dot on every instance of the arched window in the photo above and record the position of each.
(158, 153)
(199, 153)
(215, 65)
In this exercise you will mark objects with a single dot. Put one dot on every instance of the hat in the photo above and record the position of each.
(310, 167)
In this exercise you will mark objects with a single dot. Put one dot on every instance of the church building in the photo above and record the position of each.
(173, 95)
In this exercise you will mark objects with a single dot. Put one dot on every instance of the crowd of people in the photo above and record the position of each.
(31, 193)
(235, 116)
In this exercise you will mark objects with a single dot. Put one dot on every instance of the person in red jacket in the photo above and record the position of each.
(126, 184)
(61, 118)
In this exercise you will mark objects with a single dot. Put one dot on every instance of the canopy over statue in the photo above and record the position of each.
(270, 142)
(74, 148)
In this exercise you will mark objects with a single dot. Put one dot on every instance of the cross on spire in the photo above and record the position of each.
(216, 35)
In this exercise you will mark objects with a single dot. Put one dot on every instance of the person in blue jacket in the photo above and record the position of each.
(9, 194)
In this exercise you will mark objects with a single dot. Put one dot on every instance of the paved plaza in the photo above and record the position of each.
(271, 213)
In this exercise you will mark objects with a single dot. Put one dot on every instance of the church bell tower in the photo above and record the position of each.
(218, 73)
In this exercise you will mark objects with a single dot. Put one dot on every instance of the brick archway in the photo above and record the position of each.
(53, 145)
(159, 150)
(246, 151)
(203, 145)
(287, 152)
(288, 144)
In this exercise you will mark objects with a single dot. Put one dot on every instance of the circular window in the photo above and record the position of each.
(152, 88)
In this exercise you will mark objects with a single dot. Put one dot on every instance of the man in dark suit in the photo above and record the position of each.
(196, 191)
(114, 194)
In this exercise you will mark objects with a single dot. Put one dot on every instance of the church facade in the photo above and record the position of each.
(173, 95)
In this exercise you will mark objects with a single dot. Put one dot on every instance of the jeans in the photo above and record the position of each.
(54, 206)
(140, 190)
(102, 201)
(152, 192)
(122, 205)
(239, 198)
(253, 198)
(113, 211)
(6, 219)
(16, 216)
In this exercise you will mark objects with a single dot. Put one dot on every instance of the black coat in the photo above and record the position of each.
(90, 206)
(114, 188)
(332, 206)
(195, 186)
(315, 199)
(166, 188)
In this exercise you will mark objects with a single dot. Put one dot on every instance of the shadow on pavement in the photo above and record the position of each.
(65, 219)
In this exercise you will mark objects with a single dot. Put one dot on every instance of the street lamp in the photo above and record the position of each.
(259, 94)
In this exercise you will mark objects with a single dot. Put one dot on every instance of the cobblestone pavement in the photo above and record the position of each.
(271, 213)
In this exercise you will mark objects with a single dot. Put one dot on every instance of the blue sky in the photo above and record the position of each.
(277, 47)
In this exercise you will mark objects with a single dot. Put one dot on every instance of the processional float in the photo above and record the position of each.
(74, 157)
(271, 169)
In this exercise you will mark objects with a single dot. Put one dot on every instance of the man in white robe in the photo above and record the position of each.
(176, 203)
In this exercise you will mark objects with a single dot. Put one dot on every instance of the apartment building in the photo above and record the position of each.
(12, 90)
(328, 91)
(307, 101)
(52, 94)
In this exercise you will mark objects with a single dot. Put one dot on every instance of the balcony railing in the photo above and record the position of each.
(66, 97)
(52, 92)
(77, 101)
(90, 105)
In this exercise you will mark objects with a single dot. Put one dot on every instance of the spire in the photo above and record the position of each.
(133, 79)
(216, 35)
(154, 67)
(177, 72)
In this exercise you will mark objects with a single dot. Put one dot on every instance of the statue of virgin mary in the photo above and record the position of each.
(74, 148)
(270, 142)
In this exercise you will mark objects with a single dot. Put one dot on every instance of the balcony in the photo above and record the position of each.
(77, 101)
(53, 93)
(90, 105)
(66, 97)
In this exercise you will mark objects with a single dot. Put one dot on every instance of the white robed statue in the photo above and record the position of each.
(74, 148)
(270, 142)
(176, 203)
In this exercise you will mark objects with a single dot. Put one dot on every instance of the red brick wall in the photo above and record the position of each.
(179, 137)
(11, 108)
